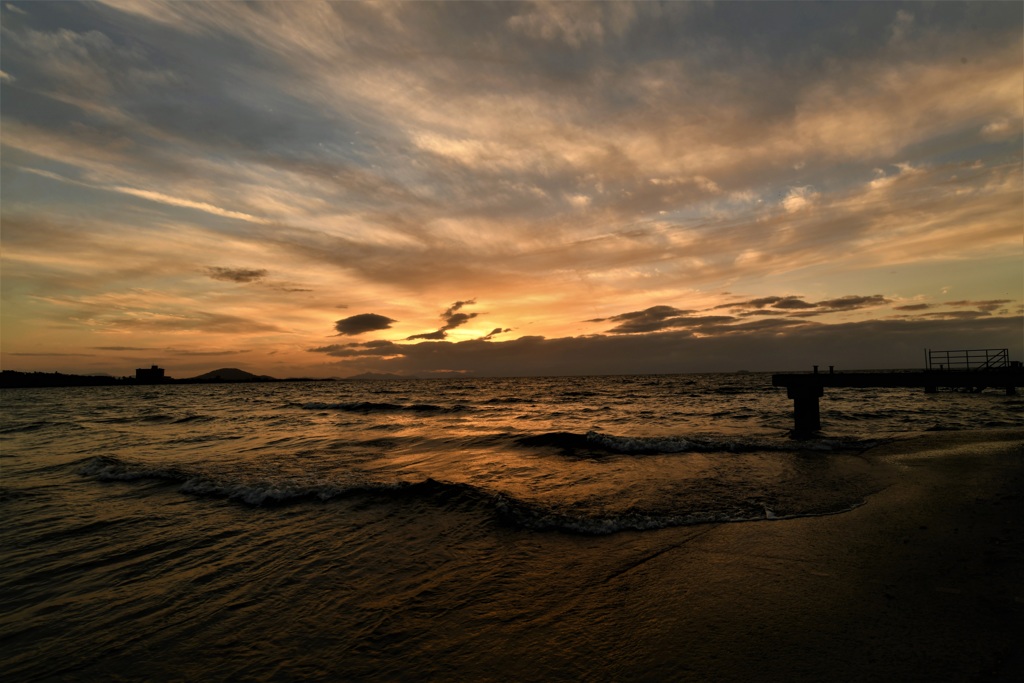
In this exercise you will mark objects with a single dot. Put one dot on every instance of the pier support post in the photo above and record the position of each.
(806, 413)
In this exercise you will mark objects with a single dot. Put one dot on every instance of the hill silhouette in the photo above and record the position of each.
(230, 375)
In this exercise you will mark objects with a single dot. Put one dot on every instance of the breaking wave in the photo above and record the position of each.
(506, 509)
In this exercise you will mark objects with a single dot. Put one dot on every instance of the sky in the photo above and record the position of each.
(475, 188)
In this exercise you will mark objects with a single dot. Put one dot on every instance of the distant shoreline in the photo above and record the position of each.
(17, 379)
(14, 379)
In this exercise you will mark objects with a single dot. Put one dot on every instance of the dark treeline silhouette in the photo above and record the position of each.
(11, 379)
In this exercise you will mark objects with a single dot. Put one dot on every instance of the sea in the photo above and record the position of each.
(406, 529)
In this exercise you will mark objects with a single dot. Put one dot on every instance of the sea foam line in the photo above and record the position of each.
(506, 509)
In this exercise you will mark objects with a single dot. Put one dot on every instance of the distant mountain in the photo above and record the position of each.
(379, 375)
(230, 375)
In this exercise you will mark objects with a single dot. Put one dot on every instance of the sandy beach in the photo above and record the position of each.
(924, 582)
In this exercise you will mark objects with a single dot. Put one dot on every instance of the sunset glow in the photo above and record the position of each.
(328, 189)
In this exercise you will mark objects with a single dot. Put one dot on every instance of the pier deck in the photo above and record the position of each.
(806, 388)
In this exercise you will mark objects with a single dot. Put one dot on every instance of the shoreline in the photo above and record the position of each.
(923, 582)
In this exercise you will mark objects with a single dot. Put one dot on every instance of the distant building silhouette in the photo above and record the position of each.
(151, 375)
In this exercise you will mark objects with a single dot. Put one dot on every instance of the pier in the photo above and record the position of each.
(972, 370)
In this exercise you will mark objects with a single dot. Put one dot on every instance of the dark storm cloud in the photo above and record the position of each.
(236, 274)
(362, 323)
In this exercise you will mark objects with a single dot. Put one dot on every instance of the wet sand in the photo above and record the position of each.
(924, 582)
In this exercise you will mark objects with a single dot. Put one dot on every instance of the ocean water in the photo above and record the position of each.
(464, 529)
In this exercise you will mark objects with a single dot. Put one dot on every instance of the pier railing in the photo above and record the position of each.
(967, 359)
(975, 374)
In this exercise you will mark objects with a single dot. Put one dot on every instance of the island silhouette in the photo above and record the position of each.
(153, 375)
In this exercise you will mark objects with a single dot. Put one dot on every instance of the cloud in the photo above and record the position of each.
(648, 320)
(494, 332)
(584, 157)
(236, 274)
(956, 315)
(574, 24)
(452, 320)
(436, 334)
(762, 345)
(183, 321)
(984, 306)
(124, 348)
(187, 203)
(1003, 128)
(190, 352)
(56, 355)
(792, 303)
(853, 302)
(795, 305)
(799, 198)
(362, 323)
(177, 352)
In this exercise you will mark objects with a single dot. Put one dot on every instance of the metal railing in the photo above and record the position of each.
(967, 359)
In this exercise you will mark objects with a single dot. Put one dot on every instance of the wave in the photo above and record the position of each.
(506, 509)
(256, 493)
(370, 407)
(595, 443)
(194, 418)
(38, 425)
(27, 427)
(154, 418)
(509, 400)
(8, 493)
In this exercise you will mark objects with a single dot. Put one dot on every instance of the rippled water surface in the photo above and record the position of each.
(326, 529)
